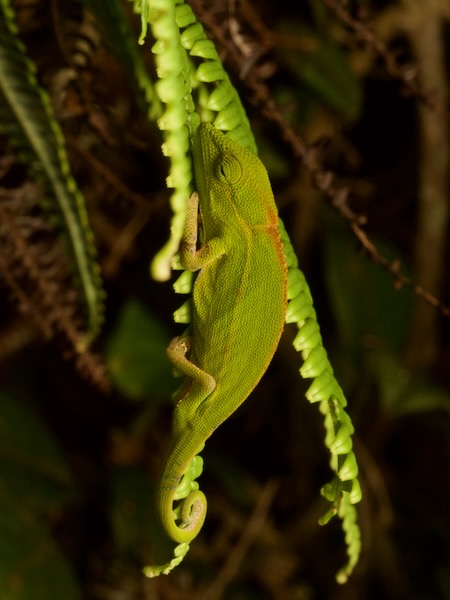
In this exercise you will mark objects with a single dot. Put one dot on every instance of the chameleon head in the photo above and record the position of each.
(225, 171)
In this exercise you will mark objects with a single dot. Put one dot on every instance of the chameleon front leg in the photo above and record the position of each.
(193, 258)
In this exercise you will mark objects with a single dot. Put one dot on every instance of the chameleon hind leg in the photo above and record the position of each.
(182, 506)
(196, 388)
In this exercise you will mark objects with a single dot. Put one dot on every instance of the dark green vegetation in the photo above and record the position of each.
(80, 451)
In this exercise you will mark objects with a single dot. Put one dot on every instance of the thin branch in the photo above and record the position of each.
(237, 554)
(323, 179)
(427, 40)
(40, 287)
(408, 75)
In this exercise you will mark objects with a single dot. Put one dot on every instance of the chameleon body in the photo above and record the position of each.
(238, 310)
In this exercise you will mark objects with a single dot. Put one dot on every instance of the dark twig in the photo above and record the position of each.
(40, 286)
(406, 74)
(324, 180)
(236, 556)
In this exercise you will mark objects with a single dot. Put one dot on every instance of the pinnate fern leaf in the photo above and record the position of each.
(199, 69)
(27, 119)
(115, 26)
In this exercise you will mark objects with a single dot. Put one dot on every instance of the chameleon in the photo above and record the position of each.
(239, 304)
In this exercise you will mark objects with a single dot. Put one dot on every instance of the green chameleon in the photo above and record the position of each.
(238, 314)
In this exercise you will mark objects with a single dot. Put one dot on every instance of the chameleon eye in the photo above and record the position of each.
(228, 168)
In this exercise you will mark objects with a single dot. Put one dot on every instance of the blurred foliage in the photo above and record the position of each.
(135, 354)
(372, 307)
(78, 468)
(35, 482)
(321, 72)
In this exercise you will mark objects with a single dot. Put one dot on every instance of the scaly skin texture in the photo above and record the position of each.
(239, 307)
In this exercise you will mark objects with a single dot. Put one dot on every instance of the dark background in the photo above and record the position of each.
(79, 463)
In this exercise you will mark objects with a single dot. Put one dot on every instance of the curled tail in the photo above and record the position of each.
(181, 505)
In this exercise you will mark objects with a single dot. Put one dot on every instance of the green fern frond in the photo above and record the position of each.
(198, 73)
(178, 121)
(218, 100)
(344, 491)
(121, 40)
(193, 85)
(27, 118)
(185, 488)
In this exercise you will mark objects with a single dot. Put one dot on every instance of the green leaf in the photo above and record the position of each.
(401, 391)
(137, 530)
(132, 516)
(187, 62)
(136, 354)
(32, 467)
(233, 479)
(34, 481)
(31, 564)
(323, 68)
(121, 41)
(365, 302)
(27, 118)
